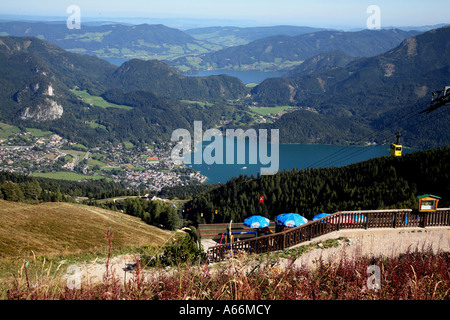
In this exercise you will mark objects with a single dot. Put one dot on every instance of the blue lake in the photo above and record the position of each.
(300, 156)
(245, 76)
(116, 61)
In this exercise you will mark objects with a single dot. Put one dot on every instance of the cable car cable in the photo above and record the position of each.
(367, 136)
(327, 158)
(419, 121)
(444, 100)
(369, 148)
(345, 157)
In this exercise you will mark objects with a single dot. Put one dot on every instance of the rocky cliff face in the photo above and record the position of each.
(38, 103)
(44, 111)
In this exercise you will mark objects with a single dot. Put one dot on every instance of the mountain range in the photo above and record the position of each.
(341, 98)
(282, 52)
(113, 40)
(39, 83)
(274, 48)
(234, 36)
(144, 41)
(415, 60)
(369, 91)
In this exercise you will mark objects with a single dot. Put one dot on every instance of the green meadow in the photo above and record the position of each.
(97, 101)
(62, 175)
(264, 111)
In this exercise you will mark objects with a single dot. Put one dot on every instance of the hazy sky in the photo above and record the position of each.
(320, 13)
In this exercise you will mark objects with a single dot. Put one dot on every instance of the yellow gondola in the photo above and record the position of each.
(397, 148)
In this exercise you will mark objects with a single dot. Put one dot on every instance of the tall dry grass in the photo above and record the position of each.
(420, 274)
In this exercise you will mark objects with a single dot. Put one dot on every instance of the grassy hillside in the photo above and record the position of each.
(61, 229)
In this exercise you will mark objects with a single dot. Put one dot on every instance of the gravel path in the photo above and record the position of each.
(378, 243)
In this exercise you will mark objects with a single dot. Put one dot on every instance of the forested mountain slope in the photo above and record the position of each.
(37, 90)
(369, 92)
(233, 36)
(156, 76)
(144, 41)
(379, 183)
(281, 52)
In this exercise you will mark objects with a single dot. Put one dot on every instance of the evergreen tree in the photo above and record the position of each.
(11, 191)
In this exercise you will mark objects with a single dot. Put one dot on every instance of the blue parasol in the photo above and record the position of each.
(256, 222)
(320, 216)
(290, 220)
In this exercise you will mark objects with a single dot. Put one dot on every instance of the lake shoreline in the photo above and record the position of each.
(292, 156)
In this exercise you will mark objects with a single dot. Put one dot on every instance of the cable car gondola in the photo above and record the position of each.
(397, 148)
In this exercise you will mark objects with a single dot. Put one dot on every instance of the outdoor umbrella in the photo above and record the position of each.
(290, 219)
(320, 216)
(256, 222)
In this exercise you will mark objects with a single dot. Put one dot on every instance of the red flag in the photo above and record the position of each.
(261, 199)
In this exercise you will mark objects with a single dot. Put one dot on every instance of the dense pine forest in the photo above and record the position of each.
(17, 187)
(380, 183)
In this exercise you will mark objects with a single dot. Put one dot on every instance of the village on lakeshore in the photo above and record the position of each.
(48, 155)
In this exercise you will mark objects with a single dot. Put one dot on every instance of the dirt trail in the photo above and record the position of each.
(94, 271)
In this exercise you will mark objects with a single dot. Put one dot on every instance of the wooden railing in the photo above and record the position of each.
(403, 218)
(216, 231)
